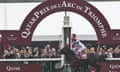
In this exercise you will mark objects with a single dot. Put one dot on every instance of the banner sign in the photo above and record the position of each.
(113, 66)
(20, 68)
(24, 35)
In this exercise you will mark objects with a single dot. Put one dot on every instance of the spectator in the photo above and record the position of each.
(22, 53)
(44, 53)
(17, 52)
(35, 52)
(101, 54)
(6, 54)
(30, 53)
(109, 53)
(93, 58)
(116, 53)
(47, 47)
(12, 54)
(53, 52)
(84, 63)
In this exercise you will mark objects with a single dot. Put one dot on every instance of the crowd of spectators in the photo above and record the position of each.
(30, 52)
(24, 52)
(109, 52)
(50, 52)
(103, 52)
(92, 53)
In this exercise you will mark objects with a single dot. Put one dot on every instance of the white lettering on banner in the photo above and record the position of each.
(36, 14)
(115, 37)
(84, 9)
(28, 27)
(53, 6)
(11, 68)
(97, 20)
(114, 66)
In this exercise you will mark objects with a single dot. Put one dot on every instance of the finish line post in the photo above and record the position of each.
(67, 31)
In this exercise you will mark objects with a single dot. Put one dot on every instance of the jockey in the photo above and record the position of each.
(77, 46)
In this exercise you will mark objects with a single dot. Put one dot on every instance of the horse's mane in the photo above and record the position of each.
(69, 54)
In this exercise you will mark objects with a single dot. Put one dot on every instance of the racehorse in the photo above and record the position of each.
(76, 63)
